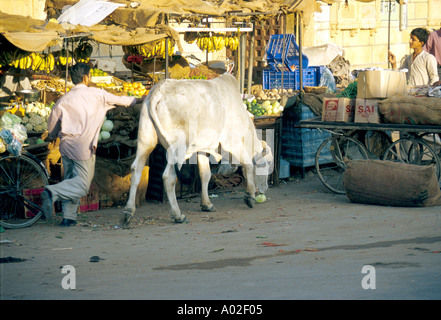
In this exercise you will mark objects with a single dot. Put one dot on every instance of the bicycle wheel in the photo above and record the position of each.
(332, 158)
(22, 179)
(413, 151)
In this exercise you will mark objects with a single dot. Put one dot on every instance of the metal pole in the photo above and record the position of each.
(300, 51)
(251, 59)
(166, 58)
(242, 61)
(388, 34)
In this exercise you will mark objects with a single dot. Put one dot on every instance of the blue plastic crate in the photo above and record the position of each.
(291, 80)
(276, 80)
(299, 145)
(311, 76)
(282, 53)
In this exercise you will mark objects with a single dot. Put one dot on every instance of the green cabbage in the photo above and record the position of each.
(107, 125)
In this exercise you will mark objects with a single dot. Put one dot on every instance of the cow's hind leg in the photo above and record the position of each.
(169, 178)
(142, 154)
(248, 169)
(205, 175)
(251, 189)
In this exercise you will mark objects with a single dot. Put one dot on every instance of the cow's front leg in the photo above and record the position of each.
(205, 175)
(169, 178)
(251, 188)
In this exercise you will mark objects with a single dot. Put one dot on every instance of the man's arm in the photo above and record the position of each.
(54, 123)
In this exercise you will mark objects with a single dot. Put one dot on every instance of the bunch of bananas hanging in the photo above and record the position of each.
(16, 58)
(216, 42)
(43, 62)
(64, 57)
(6, 55)
(232, 42)
(83, 52)
(151, 49)
(21, 59)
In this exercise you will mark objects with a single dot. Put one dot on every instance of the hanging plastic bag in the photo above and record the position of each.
(19, 131)
(8, 120)
(15, 147)
(12, 134)
(327, 80)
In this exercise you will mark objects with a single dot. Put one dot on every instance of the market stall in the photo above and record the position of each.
(41, 65)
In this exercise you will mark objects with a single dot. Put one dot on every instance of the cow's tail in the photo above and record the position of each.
(187, 172)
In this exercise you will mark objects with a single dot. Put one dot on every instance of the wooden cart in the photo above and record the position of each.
(413, 144)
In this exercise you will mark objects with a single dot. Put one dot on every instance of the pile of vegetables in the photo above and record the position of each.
(36, 116)
(106, 128)
(270, 94)
(266, 108)
(349, 92)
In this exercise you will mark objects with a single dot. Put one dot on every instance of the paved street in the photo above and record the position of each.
(303, 243)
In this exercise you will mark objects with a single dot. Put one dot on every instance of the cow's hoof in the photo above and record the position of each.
(181, 220)
(249, 201)
(125, 218)
(207, 208)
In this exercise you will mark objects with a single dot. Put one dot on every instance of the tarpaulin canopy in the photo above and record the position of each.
(37, 35)
(148, 13)
(137, 22)
(29, 34)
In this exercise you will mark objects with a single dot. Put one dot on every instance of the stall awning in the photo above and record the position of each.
(138, 22)
(148, 13)
(29, 34)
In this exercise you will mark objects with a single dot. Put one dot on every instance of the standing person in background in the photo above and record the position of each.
(433, 46)
(421, 65)
(76, 119)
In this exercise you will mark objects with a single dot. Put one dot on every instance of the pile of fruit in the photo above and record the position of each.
(266, 108)
(95, 72)
(108, 86)
(56, 85)
(136, 89)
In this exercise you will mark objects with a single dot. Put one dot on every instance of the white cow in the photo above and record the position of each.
(194, 117)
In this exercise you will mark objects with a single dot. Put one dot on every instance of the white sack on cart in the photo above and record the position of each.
(322, 55)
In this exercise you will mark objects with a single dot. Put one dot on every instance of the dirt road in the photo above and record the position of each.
(302, 243)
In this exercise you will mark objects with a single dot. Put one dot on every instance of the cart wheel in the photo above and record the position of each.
(332, 157)
(21, 179)
(433, 140)
(376, 142)
(413, 151)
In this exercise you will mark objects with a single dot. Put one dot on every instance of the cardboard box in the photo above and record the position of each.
(330, 108)
(338, 109)
(34, 196)
(366, 111)
(377, 84)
